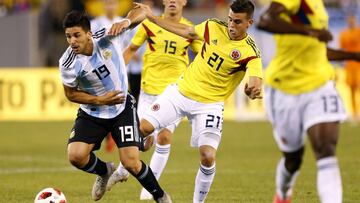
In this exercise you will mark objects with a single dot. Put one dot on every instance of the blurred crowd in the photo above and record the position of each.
(8, 7)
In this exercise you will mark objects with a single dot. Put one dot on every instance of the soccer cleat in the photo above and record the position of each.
(99, 186)
(116, 177)
(277, 199)
(145, 195)
(164, 199)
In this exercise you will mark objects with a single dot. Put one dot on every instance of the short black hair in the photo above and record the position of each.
(243, 6)
(76, 18)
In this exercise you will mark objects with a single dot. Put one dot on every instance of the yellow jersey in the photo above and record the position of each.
(221, 64)
(166, 56)
(300, 64)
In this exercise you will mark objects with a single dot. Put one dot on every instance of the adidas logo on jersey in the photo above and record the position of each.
(214, 41)
(159, 32)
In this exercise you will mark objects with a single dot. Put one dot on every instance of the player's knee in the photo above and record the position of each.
(146, 128)
(164, 137)
(293, 160)
(293, 164)
(207, 155)
(132, 165)
(77, 159)
(324, 151)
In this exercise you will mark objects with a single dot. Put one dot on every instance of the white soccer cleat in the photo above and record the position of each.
(145, 195)
(116, 177)
(164, 199)
(99, 187)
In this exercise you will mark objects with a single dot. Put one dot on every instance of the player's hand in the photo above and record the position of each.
(322, 35)
(118, 28)
(146, 10)
(252, 93)
(111, 98)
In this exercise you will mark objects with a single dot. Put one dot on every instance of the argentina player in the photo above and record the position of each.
(94, 74)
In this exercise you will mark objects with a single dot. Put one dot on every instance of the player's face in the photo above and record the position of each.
(238, 24)
(79, 40)
(111, 7)
(174, 6)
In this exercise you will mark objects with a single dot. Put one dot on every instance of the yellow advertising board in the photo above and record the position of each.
(37, 94)
(33, 94)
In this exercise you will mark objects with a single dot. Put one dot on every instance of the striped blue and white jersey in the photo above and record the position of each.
(97, 74)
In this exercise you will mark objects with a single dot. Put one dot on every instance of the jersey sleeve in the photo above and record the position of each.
(196, 46)
(140, 36)
(69, 69)
(254, 68)
(291, 5)
(200, 29)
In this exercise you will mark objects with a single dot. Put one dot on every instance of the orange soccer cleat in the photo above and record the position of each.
(277, 199)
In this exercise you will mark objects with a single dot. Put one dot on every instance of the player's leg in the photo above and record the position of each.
(127, 137)
(86, 136)
(160, 156)
(284, 112)
(322, 115)
(323, 138)
(206, 120)
(129, 157)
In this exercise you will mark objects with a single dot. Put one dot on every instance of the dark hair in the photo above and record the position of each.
(76, 18)
(243, 6)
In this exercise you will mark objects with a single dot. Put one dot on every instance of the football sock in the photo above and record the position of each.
(203, 181)
(284, 180)
(148, 181)
(95, 165)
(159, 159)
(329, 180)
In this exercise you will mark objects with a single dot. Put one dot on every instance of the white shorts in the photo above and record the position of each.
(145, 101)
(206, 118)
(292, 115)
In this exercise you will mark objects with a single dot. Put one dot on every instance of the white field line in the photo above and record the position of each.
(36, 170)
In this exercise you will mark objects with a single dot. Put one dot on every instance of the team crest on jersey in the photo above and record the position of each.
(235, 54)
(155, 107)
(107, 54)
(72, 134)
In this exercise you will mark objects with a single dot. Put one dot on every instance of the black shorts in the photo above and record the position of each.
(124, 128)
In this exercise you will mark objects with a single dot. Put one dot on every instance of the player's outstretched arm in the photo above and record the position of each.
(135, 16)
(130, 52)
(81, 97)
(177, 28)
(253, 89)
(340, 55)
(271, 21)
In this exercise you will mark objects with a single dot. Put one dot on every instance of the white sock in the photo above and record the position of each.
(329, 180)
(203, 181)
(159, 159)
(284, 180)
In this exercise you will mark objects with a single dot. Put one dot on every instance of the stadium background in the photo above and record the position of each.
(35, 117)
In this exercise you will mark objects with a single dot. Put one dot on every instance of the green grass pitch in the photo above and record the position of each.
(33, 156)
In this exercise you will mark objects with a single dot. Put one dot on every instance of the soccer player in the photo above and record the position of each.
(300, 94)
(227, 53)
(110, 17)
(166, 57)
(350, 41)
(93, 74)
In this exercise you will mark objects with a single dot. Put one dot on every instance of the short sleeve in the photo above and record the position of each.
(200, 29)
(69, 69)
(196, 46)
(140, 36)
(254, 68)
(291, 5)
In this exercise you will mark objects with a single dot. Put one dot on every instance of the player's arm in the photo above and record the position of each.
(183, 30)
(271, 21)
(339, 55)
(253, 88)
(133, 18)
(81, 97)
(130, 52)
